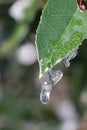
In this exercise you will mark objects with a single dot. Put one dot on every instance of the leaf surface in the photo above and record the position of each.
(61, 30)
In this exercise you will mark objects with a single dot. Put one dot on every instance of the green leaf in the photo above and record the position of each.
(62, 29)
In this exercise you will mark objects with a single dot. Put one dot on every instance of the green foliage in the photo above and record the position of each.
(21, 29)
(61, 30)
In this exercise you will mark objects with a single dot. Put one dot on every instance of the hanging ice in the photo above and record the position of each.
(45, 93)
(66, 61)
(54, 76)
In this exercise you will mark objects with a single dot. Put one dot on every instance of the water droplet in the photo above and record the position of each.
(45, 93)
(54, 76)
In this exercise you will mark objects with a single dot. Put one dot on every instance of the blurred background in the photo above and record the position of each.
(20, 106)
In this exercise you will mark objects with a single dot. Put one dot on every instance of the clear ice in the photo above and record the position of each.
(54, 76)
(66, 61)
(45, 92)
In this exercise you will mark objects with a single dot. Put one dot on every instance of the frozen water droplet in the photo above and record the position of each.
(72, 55)
(66, 61)
(54, 76)
(45, 93)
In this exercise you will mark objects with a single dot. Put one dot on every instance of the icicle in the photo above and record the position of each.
(66, 61)
(45, 93)
(54, 76)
